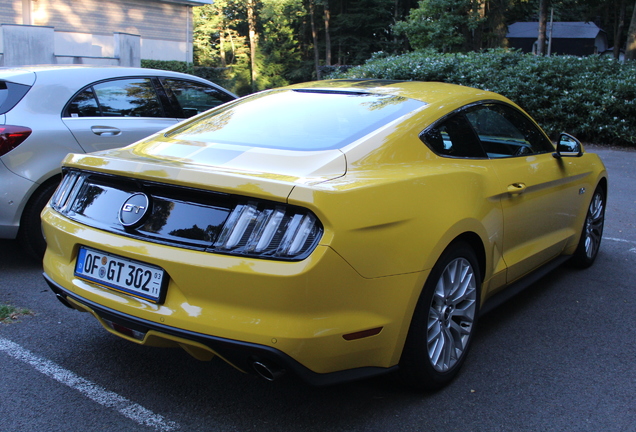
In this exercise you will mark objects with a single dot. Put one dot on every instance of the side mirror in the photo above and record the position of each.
(568, 146)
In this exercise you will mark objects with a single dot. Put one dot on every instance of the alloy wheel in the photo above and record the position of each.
(451, 314)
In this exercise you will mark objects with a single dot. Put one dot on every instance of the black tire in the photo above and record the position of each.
(592, 232)
(30, 234)
(444, 321)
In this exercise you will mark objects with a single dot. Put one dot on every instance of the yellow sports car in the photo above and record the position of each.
(335, 229)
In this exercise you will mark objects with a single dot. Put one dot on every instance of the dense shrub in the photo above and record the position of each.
(592, 97)
(218, 76)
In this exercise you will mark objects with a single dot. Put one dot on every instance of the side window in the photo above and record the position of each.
(133, 97)
(128, 98)
(506, 132)
(193, 98)
(453, 137)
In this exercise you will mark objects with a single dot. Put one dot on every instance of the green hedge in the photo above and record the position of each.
(592, 97)
(220, 76)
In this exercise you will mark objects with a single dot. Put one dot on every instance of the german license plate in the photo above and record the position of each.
(122, 274)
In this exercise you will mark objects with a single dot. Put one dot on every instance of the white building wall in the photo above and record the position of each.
(154, 49)
(74, 44)
(11, 12)
(85, 28)
(148, 19)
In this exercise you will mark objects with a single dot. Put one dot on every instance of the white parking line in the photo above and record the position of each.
(89, 389)
(619, 240)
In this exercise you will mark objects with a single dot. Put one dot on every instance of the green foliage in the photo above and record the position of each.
(294, 38)
(220, 40)
(360, 28)
(221, 76)
(347, 32)
(280, 47)
(206, 30)
(9, 313)
(170, 65)
(444, 25)
(591, 97)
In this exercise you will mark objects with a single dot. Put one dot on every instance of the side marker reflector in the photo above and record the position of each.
(362, 334)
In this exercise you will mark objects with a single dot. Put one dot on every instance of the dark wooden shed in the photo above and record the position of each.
(574, 38)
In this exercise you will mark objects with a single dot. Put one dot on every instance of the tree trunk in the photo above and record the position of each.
(543, 20)
(630, 52)
(619, 24)
(233, 45)
(314, 35)
(327, 34)
(251, 20)
(479, 9)
(222, 47)
(396, 18)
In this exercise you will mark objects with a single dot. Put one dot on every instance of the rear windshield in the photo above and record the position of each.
(11, 94)
(302, 120)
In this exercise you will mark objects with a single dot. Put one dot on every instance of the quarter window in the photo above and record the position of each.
(11, 94)
(454, 137)
(85, 105)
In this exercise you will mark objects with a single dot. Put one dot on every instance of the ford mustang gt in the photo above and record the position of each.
(335, 230)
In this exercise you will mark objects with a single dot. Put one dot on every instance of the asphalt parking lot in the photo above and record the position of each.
(558, 357)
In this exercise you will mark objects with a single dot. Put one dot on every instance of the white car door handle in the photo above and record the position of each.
(105, 131)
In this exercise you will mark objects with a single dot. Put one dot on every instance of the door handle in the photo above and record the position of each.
(516, 188)
(105, 131)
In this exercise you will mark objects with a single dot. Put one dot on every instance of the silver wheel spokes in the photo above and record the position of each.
(594, 226)
(451, 315)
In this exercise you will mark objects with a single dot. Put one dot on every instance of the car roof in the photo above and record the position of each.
(428, 92)
(70, 68)
(19, 73)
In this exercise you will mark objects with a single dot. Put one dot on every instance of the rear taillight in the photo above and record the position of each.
(269, 230)
(11, 137)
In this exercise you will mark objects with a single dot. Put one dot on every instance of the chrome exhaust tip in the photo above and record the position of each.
(63, 300)
(267, 371)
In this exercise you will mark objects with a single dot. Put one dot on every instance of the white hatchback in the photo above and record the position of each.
(47, 112)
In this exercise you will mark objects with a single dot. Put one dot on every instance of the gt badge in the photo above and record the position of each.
(133, 210)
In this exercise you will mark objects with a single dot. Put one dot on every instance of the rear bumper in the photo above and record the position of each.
(241, 355)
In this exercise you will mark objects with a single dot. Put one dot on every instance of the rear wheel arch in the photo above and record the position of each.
(603, 184)
(476, 243)
(30, 234)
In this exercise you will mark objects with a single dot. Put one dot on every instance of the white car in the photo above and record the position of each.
(47, 112)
